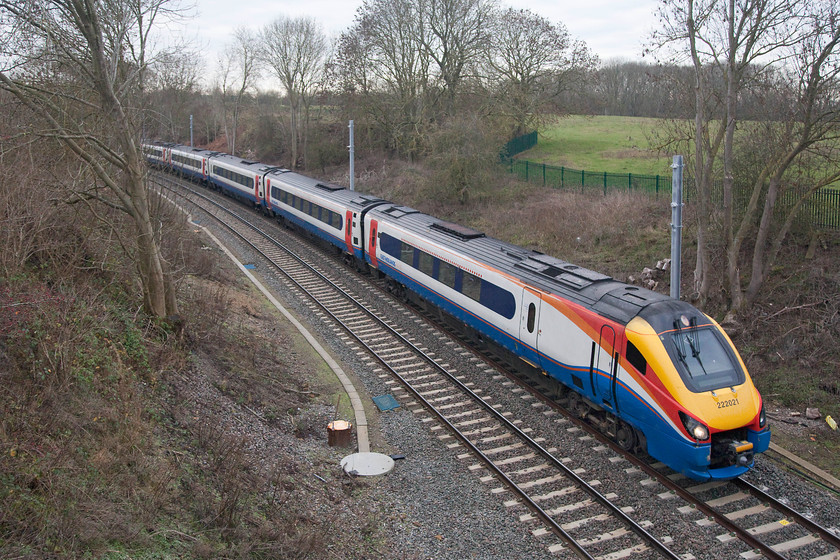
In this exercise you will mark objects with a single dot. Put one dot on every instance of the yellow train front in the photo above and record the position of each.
(714, 414)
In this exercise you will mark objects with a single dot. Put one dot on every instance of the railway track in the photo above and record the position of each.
(569, 505)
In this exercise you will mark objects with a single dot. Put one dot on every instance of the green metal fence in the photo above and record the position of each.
(519, 144)
(821, 209)
(566, 178)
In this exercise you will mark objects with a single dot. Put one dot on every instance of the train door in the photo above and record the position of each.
(357, 233)
(529, 326)
(602, 368)
(348, 230)
(372, 243)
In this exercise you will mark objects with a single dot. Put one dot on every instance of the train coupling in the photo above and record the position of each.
(742, 451)
(734, 452)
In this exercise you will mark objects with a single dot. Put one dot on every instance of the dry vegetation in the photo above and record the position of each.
(121, 438)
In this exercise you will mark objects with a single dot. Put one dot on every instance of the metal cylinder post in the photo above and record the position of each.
(352, 147)
(676, 225)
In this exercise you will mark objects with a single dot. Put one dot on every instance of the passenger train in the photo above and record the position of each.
(653, 372)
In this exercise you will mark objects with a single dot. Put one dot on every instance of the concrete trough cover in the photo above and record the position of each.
(386, 402)
(367, 464)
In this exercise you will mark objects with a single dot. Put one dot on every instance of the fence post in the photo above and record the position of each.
(629, 182)
(605, 183)
(526, 170)
(543, 174)
(657, 184)
(562, 175)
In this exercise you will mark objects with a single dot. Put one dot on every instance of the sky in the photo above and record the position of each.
(611, 28)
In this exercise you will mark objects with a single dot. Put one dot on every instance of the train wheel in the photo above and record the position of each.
(578, 405)
(625, 436)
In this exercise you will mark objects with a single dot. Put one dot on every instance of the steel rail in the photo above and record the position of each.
(800, 519)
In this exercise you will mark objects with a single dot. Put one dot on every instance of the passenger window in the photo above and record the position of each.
(446, 274)
(532, 317)
(407, 254)
(471, 286)
(426, 263)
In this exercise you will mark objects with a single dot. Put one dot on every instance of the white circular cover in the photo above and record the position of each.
(367, 464)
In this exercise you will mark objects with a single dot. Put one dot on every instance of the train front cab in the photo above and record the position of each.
(716, 416)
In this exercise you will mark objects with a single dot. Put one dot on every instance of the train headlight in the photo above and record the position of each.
(697, 430)
(762, 419)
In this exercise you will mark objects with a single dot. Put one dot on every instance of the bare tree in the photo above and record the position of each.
(734, 47)
(388, 38)
(803, 152)
(238, 72)
(296, 50)
(531, 62)
(68, 63)
(174, 87)
(459, 36)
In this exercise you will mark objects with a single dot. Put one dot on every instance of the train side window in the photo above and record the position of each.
(635, 358)
(389, 245)
(407, 254)
(471, 286)
(498, 299)
(446, 274)
(426, 263)
(532, 317)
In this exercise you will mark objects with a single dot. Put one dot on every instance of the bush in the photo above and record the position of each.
(464, 155)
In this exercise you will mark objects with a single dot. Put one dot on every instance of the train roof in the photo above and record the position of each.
(246, 165)
(332, 191)
(609, 297)
(198, 152)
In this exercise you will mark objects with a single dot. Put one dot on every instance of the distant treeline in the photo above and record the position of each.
(639, 89)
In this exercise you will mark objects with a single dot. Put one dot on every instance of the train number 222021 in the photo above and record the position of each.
(727, 403)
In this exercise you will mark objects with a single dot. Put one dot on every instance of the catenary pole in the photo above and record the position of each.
(352, 157)
(676, 225)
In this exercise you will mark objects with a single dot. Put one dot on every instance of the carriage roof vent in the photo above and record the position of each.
(399, 211)
(569, 275)
(457, 230)
(328, 186)
(248, 162)
(367, 200)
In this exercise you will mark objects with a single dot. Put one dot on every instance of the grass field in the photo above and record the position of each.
(612, 144)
